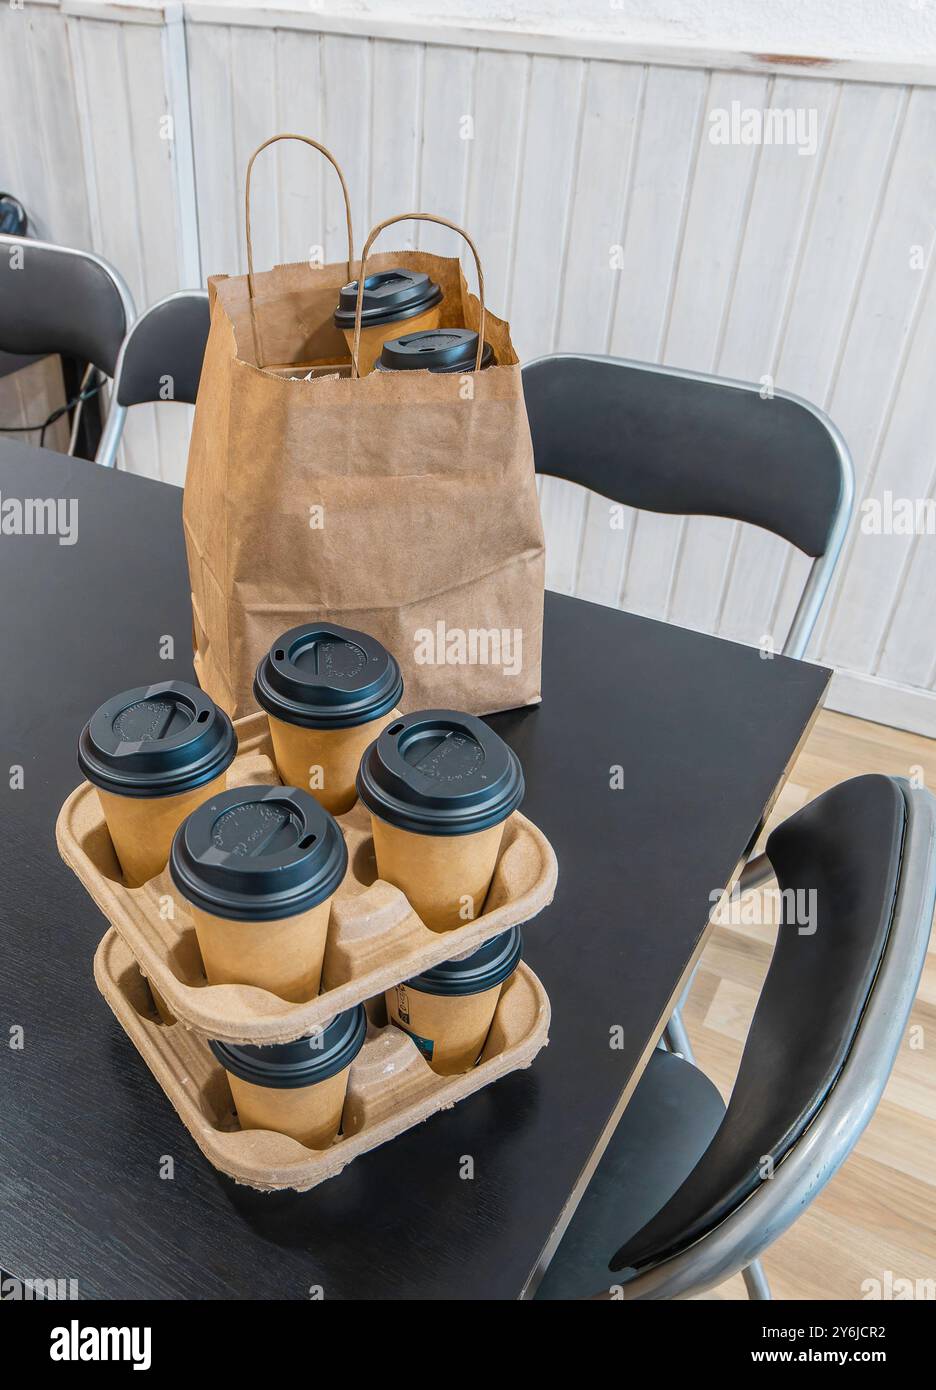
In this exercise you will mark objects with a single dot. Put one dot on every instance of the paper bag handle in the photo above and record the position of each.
(306, 140)
(374, 234)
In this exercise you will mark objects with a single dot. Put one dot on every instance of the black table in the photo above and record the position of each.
(704, 731)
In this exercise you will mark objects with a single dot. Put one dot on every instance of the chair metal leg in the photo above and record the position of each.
(676, 1037)
(755, 1281)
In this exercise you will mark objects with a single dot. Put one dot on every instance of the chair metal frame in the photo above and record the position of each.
(757, 871)
(116, 414)
(110, 439)
(823, 566)
(771, 1209)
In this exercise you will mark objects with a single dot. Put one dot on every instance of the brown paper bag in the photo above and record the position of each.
(402, 504)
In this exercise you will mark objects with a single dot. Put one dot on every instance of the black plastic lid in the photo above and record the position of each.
(389, 296)
(256, 854)
(438, 772)
(490, 965)
(304, 1062)
(322, 676)
(156, 740)
(434, 350)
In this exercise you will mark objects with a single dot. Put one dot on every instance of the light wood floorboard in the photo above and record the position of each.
(878, 1213)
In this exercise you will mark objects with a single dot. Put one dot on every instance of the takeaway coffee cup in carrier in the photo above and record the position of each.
(328, 691)
(439, 786)
(258, 867)
(395, 301)
(447, 1010)
(436, 350)
(154, 753)
(296, 1088)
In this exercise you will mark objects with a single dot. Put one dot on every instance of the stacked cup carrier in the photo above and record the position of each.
(259, 864)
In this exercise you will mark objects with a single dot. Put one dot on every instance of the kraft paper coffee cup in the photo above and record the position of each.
(154, 754)
(394, 301)
(258, 867)
(439, 786)
(439, 350)
(328, 691)
(447, 1010)
(296, 1088)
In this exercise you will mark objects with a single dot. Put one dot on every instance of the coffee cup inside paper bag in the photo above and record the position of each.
(328, 691)
(258, 867)
(296, 1088)
(438, 350)
(439, 786)
(154, 753)
(447, 1010)
(395, 301)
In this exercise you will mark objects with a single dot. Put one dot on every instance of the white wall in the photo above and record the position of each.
(607, 220)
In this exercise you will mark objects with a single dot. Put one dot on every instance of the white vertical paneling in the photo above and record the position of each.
(711, 249)
(552, 145)
(217, 179)
(909, 652)
(253, 119)
(891, 308)
(501, 99)
(610, 124)
(394, 140)
(607, 222)
(781, 203)
(347, 82)
(668, 145)
(43, 136)
(855, 179)
(301, 173)
(448, 135)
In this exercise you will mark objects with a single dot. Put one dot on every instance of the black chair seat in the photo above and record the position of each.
(667, 1126)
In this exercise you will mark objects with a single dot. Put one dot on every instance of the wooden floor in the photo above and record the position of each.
(879, 1213)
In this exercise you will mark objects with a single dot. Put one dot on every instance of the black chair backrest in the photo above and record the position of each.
(675, 442)
(162, 358)
(54, 299)
(845, 848)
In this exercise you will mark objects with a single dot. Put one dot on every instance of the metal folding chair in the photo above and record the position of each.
(688, 1193)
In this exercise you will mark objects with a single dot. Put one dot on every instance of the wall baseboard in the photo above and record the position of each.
(883, 702)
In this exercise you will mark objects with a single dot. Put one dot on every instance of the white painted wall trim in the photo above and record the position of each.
(550, 35)
(883, 702)
(175, 60)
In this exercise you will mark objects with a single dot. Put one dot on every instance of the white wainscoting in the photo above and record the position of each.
(607, 221)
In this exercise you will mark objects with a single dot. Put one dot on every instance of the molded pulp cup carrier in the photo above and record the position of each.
(258, 866)
(154, 753)
(439, 786)
(375, 941)
(328, 691)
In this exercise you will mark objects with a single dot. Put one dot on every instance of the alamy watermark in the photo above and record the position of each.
(888, 515)
(797, 126)
(473, 646)
(40, 516)
(772, 907)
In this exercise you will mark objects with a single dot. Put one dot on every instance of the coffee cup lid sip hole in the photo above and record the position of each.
(440, 772)
(156, 740)
(435, 350)
(258, 854)
(389, 296)
(323, 676)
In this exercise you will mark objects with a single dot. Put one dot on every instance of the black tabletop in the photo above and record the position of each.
(648, 765)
